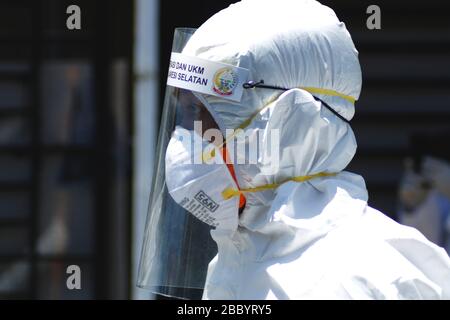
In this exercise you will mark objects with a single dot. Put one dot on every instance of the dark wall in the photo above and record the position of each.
(406, 81)
(65, 131)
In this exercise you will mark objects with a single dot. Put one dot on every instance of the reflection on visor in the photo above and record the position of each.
(177, 247)
(190, 109)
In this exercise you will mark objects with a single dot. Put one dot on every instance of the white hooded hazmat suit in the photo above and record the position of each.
(316, 239)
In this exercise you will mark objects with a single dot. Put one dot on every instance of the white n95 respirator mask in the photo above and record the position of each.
(197, 185)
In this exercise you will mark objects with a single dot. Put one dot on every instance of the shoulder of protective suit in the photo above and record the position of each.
(429, 263)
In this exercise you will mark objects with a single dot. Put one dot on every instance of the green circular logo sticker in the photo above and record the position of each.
(225, 80)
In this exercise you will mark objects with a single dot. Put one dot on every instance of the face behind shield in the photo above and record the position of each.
(195, 166)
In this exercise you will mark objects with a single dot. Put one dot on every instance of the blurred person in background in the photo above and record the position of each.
(424, 193)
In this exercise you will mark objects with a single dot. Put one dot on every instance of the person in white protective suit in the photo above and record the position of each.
(302, 230)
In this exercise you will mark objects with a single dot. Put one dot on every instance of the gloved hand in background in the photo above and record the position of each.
(413, 187)
(437, 172)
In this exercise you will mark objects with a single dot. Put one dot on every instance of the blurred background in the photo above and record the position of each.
(79, 116)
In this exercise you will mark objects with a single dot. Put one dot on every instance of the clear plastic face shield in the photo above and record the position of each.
(178, 247)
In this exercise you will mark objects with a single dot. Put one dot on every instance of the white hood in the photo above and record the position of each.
(288, 43)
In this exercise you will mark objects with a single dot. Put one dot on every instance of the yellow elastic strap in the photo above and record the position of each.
(229, 193)
(206, 157)
(329, 92)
